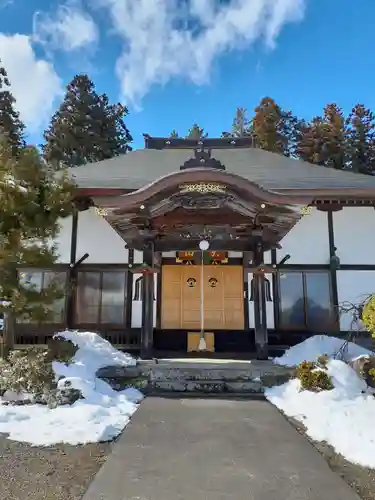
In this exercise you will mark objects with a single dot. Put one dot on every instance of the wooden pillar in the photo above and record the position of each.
(147, 308)
(72, 275)
(129, 291)
(260, 311)
(333, 272)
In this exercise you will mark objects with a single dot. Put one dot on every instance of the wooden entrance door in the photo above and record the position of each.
(223, 298)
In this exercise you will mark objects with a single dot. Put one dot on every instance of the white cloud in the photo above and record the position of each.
(164, 39)
(5, 3)
(70, 28)
(34, 82)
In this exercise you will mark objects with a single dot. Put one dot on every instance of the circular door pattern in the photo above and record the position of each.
(191, 282)
(212, 282)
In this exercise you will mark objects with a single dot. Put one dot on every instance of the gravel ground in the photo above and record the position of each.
(55, 473)
(361, 479)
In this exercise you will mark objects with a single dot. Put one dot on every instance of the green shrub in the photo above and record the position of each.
(313, 376)
(369, 371)
(304, 366)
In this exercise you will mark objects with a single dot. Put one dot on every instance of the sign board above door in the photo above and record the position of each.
(194, 257)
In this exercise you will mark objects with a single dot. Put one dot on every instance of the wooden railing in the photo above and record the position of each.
(32, 335)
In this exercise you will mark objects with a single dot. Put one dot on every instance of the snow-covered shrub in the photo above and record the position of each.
(61, 349)
(368, 314)
(322, 360)
(65, 394)
(368, 371)
(313, 376)
(29, 372)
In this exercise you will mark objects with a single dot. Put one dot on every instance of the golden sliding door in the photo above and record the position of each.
(223, 297)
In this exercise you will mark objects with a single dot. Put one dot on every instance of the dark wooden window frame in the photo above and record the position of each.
(98, 325)
(303, 271)
(58, 268)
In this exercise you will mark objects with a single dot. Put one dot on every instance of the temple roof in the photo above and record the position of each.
(270, 171)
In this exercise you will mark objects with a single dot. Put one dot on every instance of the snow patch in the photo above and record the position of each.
(100, 416)
(342, 417)
(315, 346)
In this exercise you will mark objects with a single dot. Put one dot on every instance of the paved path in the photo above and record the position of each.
(214, 449)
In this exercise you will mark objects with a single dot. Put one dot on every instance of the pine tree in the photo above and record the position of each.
(10, 124)
(241, 127)
(196, 133)
(86, 128)
(32, 203)
(324, 140)
(361, 139)
(274, 129)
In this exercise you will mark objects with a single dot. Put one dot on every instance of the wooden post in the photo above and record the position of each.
(147, 340)
(72, 273)
(260, 312)
(8, 337)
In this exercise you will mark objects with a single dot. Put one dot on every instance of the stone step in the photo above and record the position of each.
(209, 372)
(203, 377)
(159, 393)
(192, 374)
(207, 386)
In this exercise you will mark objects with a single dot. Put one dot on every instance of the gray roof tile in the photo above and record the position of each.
(140, 167)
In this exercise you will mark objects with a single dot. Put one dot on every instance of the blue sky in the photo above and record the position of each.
(175, 62)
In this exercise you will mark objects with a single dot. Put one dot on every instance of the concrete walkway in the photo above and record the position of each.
(214, 449)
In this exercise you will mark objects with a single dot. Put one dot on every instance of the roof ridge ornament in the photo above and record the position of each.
(201, 159)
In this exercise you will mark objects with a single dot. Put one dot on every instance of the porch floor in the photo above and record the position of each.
(274, 351)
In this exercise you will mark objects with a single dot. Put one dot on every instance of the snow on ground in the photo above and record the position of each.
(101, 416)
(344, 416)
(315, 346)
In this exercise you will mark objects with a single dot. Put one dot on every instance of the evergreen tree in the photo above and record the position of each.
(361, 140)
(324, 140)
(10, 124)
(196, 132)
(310, 145)
(32, 202)
(273, 128)
(335, 141)
(86, 128)
(241, 127)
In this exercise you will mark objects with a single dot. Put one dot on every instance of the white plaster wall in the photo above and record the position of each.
(353, 286)
(235, 255)
(138, 257)
(99, 240)
(354, 232)
(96, 237)
(267, 257)
(307, 242)
(63, 240)
(269, 305)
(170, 255)
(137, 304)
